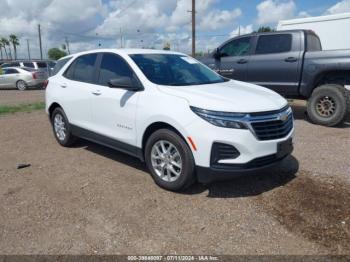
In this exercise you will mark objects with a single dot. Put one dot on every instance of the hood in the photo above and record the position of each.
(231, 96)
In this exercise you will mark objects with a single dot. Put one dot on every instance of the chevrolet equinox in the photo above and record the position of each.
(184, 120)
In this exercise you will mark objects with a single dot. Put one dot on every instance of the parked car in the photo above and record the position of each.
(293, 64)
(42, 65)
(21, 78)
(184, 120)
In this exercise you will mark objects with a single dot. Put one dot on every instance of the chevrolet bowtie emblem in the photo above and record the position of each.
(283, 117)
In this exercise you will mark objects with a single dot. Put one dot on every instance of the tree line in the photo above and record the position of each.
(5, 47)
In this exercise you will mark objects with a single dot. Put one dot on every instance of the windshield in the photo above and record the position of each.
(175, 70)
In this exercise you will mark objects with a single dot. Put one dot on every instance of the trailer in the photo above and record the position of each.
(333, 30)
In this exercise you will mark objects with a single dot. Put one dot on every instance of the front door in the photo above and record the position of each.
(234, 58)
(114, 109)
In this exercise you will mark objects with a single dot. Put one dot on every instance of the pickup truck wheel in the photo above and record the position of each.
(327, 105)
(169, 160)
(61, 128)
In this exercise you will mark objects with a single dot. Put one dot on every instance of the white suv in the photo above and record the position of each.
(184, 120)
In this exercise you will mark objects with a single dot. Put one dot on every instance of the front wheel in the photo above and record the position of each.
(169, 160)
(327, 105)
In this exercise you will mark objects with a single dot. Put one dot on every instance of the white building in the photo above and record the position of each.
(333, 30)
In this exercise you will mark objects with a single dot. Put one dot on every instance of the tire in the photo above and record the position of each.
(59, 118)
(184, 176)
(327, 105)
(21, 85)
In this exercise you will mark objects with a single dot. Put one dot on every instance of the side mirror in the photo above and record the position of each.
(125, 82)
(217, 54)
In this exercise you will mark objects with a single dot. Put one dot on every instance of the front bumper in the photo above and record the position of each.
(210, 174)
(241, 151)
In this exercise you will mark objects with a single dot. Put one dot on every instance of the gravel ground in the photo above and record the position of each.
(15, 97)
(93, 200)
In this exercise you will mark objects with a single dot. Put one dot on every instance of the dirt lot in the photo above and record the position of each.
(92, 200)
(15, 97)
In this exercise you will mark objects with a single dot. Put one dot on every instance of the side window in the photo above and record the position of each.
(10, 71)
(60, 63)
(41, 64)
(238, 47)
(28, 64)
(82, 69)
(112, 67)
(273, 44)
(313, 43)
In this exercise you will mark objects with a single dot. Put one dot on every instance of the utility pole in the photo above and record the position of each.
(28, 49)
(40, 44)
(67, 45)
(193, 28)
(121, 38)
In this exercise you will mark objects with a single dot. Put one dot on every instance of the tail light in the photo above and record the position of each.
(46, 82)
(34, 76)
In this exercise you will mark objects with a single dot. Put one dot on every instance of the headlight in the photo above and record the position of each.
(221, 119)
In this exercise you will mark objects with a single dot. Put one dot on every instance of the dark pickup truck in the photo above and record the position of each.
(293, 64)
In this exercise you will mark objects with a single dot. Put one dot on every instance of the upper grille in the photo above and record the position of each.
(274, 128)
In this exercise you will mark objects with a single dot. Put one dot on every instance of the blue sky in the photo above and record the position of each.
(147, 23)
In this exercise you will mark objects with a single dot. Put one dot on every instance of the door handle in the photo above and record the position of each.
(291, 59)
(64, 85)
(97, 93)
(242, 61)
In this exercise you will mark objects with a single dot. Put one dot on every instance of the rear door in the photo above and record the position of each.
(234, 58)
(9, 78)
(2, 78)
(276, 62)
(76, 90)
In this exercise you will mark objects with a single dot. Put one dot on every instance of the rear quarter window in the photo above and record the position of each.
(60, 63)
(274, 44)
(82, 69)
(313, 43)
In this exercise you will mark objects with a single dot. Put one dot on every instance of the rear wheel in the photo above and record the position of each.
(327, 105)
(61, 128)
(21, 85)
(169, 160)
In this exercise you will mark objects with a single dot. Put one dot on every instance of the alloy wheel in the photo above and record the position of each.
(21, 85)
(326, 106)
(166, 161)
(60, 127)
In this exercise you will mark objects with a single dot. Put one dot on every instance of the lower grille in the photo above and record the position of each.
(222, 151)
(255, 163)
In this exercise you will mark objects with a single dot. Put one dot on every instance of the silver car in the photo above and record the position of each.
(21, 78)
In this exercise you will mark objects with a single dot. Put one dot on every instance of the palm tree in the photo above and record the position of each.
(15, 43)
(4, 43)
